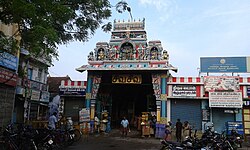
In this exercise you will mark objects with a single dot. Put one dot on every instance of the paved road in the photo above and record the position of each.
(113, 141)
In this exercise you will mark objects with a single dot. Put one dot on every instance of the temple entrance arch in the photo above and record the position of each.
(125, 99)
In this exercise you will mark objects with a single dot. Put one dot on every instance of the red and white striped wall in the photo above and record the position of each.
(199, 82)
(185, 80)
(73, 84)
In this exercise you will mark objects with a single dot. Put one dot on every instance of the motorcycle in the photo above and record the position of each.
(235, 138)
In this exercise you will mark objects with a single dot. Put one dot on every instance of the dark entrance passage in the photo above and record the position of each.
(127, 99)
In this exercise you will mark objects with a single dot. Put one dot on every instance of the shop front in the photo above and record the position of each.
(225, 100)
(186, 100)
(72, 99)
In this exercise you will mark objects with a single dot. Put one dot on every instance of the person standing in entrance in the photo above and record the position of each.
(178, 126)
(125, 126)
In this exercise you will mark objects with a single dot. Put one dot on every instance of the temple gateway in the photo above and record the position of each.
(127, 76)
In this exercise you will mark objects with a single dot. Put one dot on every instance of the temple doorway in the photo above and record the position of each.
(124, 99)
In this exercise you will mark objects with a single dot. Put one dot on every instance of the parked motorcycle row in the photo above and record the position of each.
(24, 137)
(210, 140)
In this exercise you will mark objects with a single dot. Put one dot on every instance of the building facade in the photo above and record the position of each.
(32, 96)
(8, 77)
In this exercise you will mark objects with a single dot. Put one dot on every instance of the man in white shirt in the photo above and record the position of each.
(125, 126)
(52, 121)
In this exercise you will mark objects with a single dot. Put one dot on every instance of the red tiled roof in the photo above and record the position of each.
(55, 82)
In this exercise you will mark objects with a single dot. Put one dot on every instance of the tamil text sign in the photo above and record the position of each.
(184, 90)
(221, 83)
(8, 60)
(127, 79)
(8, 77)
(225, 64)
(225, 99)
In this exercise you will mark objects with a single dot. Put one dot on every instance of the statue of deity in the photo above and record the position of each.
(91, 56)
(165, 55)
(101, 54)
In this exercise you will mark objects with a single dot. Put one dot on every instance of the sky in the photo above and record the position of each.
(187, 29)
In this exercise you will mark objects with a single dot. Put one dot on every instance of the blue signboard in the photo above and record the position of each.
(248, 90)
(235, 125)
(7, 60)
(224, 64)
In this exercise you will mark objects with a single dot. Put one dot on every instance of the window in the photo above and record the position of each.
(30, 72)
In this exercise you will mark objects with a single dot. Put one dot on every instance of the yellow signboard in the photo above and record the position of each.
(126, 79)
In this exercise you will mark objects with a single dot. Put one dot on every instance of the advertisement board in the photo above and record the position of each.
(184, 90)
(7, 77)
(224, 64)
(8, 60)
(221, 83)
(225, 99)
(35, 95)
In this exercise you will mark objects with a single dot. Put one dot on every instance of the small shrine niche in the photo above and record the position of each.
(154, 53)
(126, 51)
(100, 54)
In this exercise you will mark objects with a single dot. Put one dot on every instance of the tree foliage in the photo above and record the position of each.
(45, 24)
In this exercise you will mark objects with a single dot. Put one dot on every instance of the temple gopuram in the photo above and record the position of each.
(127, 76)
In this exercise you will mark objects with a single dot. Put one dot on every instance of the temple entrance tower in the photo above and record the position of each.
(128, 75)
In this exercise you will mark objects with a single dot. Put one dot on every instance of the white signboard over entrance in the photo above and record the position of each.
(225, 99)
(184, 90)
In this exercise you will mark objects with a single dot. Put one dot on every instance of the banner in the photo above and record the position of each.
(221, 83)
(225, 99)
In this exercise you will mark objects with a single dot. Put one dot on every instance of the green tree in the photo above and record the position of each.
(45, 24)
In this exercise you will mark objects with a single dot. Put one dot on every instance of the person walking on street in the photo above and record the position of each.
(125, 126)
(186, 129)
(167, 133)
(52, 121)
(178, 126)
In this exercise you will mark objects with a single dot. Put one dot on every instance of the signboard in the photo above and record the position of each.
(127, 79)
(184, 90)
(225, 64)
(72, 91)
(8, 60)
(225, 99)
(248, 90)
(84, 115)
(205, 115)
(221, 83)
(34, 85)
(44, 96)
(235, 125)
(7, 77)
(35, 95)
